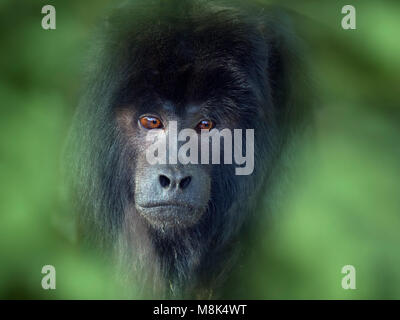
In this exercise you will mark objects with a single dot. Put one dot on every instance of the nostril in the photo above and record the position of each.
(185, 182)
(164, 181)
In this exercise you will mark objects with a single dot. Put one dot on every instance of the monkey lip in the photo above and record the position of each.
(167, 204)
(170, 214)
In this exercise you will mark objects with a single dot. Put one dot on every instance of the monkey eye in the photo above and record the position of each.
(150, 122)
(205, 125)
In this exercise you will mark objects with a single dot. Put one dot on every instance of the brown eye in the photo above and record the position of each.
(150, 122)
(205, 125)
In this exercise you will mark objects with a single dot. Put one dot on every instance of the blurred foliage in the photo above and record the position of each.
(343, 207)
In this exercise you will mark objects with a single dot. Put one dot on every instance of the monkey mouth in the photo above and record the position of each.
(165, 215)
(167, 205)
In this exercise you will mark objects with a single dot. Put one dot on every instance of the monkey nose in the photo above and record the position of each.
(174, 181)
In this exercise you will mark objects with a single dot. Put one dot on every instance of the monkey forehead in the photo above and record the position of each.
(189, 109)
(192, 82)
(214, 42)
(206, 59)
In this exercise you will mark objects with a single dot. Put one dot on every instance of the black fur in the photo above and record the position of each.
(244, 63)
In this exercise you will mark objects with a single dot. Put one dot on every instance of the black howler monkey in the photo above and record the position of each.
(175, 228)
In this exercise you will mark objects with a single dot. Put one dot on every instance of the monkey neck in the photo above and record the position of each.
(185, 263)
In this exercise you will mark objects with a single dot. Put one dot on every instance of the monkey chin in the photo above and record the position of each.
(170, 216)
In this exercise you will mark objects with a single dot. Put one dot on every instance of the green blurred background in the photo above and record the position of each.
(344, 207)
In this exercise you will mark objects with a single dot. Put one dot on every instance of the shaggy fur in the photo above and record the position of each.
(242, 64)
